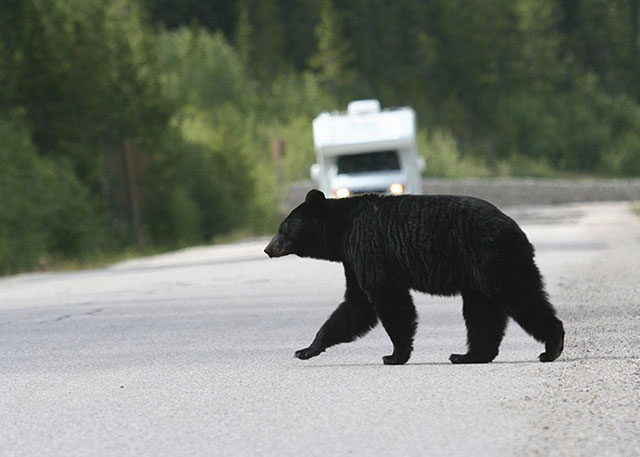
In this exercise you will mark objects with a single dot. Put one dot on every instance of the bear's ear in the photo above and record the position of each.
(314, 197)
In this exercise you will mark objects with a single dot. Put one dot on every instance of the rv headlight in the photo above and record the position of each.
(396, 189)
(343, 192)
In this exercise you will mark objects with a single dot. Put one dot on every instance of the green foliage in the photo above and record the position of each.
(201, 69)
(95, 82)
(224, 111)
(45, 212)
(204, 78)
(203, 89)
(262, 38)
(583, 130)
(333, 55)
(444, 159)
(286, 111)
(195, 193)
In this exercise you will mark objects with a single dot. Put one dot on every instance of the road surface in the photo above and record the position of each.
(191, 353)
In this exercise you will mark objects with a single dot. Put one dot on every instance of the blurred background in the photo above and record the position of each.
(140, 126)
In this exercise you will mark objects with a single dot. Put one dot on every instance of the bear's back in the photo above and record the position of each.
(432, 243)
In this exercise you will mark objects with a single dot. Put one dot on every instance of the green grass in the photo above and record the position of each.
(97, 261)
(106, 259)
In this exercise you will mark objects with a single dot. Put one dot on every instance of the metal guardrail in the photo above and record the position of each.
(505, 192)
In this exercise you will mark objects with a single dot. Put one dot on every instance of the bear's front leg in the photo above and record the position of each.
(353, 318)
(398, 316)
(349, 321)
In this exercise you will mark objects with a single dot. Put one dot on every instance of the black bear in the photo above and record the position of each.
(438, 244)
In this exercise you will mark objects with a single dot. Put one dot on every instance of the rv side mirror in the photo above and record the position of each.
(314, 171)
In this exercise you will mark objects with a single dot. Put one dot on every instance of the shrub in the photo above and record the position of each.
(45, 210)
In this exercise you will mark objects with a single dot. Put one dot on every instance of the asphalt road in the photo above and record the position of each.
(191, 353)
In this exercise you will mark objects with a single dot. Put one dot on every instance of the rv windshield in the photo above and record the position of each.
(368, 162)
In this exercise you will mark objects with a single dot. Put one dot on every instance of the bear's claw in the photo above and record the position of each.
(554, 345)
(307, 353)
(469, 358)
(394, 359)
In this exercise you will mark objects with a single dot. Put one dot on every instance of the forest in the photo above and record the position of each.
(140, 126)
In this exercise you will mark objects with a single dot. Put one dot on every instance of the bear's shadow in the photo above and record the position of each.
(495, 362)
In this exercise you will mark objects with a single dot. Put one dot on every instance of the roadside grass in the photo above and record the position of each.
(106, 259)
(445, 159)
(94, 262)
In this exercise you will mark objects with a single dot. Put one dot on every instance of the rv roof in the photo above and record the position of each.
(363, 107)
(384, 128)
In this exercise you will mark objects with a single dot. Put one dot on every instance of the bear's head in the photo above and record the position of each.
(308, 231)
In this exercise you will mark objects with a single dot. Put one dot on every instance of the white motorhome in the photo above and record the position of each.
(367, 149)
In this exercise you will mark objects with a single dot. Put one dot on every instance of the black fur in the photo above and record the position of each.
(441, 245)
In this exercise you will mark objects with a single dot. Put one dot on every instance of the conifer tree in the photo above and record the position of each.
(333, 53)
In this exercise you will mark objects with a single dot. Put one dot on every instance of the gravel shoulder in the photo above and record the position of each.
(589, 403)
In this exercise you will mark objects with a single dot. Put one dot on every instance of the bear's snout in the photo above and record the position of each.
(273, 249)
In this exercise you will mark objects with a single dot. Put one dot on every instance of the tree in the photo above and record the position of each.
(261, 37)
(333, 53)
(86, 81)
(46, 211)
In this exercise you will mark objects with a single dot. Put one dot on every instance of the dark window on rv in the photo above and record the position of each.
(368, 162)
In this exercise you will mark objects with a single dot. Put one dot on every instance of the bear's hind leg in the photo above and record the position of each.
(538, 318)
(398, 316)
(486, 324)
